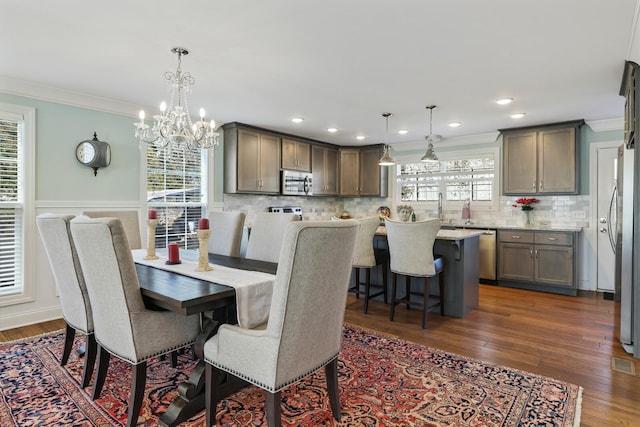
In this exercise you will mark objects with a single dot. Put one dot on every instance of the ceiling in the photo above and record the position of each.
(335, 63)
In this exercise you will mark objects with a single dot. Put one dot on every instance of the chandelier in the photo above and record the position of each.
(386, 159)
(173, 128)
(430, 155)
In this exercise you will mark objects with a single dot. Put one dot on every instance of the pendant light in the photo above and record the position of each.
(430, 155)
(386, 159)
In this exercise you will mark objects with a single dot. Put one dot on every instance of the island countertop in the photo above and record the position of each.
(444, 234)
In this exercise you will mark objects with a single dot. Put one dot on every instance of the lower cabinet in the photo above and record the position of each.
(538, 260)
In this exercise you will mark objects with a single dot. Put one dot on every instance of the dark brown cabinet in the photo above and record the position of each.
(360, 173)
(296, 155)
(324, 165)
(540, 260)
(541, 160)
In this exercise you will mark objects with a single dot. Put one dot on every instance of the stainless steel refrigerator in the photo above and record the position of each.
(622, 217)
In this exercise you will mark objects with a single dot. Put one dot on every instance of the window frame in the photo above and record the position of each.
(449, 156)
(25, 292)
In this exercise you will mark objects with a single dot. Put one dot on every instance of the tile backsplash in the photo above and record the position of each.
(552, 210)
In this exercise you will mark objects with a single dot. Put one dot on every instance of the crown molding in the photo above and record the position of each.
(606, 124)
(13, 86)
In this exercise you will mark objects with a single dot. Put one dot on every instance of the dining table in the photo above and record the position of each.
(216, 303)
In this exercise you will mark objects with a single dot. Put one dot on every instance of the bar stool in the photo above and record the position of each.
(368, 257)
(411, 252)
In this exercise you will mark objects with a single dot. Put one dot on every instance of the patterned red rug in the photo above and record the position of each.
(384, 381)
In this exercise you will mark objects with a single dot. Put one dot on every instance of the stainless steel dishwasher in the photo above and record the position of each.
(488, 255)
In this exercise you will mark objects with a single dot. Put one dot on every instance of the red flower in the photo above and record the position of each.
(526, 203)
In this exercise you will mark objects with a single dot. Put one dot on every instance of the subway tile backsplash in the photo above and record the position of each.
(552, 210)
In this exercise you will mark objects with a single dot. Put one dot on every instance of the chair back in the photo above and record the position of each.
(111, 280)
(309, 296)
(226, 233)
(364, 255)
(130, 221)
(67, 273)
(267, 232)
(411, 246)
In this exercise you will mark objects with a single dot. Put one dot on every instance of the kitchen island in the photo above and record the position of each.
(459, 250)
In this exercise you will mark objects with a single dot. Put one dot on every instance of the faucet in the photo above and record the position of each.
(440, 207)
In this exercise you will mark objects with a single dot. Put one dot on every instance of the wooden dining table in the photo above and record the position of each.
(167, 290)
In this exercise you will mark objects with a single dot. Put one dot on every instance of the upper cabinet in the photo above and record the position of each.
(629, 89)
(251, 161)
(541, 160)
(360, 173)
(324, 163)
(296, 155)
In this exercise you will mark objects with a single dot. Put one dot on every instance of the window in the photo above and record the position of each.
(176, 188)
(16, 193)
(457, 179)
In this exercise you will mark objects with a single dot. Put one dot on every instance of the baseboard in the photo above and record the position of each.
(29, 318)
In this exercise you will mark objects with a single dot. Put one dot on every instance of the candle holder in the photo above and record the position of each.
(203, 250)
(151, 239)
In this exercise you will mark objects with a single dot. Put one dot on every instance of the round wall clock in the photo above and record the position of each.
(94, 153)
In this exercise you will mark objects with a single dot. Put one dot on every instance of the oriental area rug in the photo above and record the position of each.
(384, 381)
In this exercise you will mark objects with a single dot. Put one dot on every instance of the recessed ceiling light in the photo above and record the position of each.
(297, 120)
(504, 101)
(517, 115)
(360, 137)
(332, 130)
(403, 131)
(454, 124)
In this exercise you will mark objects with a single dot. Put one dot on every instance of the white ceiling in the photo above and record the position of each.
(336, 63)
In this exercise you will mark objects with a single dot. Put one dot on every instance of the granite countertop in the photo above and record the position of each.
(537, 227)
(444, 234)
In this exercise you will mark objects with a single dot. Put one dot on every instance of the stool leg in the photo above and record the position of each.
(407, 288)
(393, 295)
(384, 282)
(357, 286)
(441, 283)
(425, 305)
(367, 285)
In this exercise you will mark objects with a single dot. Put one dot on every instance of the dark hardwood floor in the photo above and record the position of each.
(568, 338)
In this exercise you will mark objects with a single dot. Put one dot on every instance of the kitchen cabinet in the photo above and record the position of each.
(296, 155)
(538, 260)
(251, 161)
(324, 165)
(360, 173)
(541, 160)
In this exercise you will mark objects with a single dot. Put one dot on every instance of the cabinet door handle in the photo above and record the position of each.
(531, 252)
(515, 237)
(553, 239)
(541, 187)
(536, 253)
(533, 186)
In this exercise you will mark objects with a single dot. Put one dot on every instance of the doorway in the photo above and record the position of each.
(605, 168)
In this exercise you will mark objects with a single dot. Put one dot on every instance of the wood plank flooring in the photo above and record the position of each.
(564, 337)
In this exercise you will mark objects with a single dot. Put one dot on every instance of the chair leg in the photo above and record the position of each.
(384, 282)
(357, 281)
(407, 290)
(331, 371)
(425, 306)
(69, 335)
(91, 348)
(174, 358)
(367, 290)
(394, 278)
(101, 375)
(441, 283)
(272, 406)
(138, 380)
(212, 379)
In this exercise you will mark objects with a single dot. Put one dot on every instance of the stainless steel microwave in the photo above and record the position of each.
(296, 183)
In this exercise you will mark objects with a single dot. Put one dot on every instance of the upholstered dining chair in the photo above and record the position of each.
(368, 257)
(267, 231)
(74, 299)
(304, 329)
(226, 232)
(130, 221)
(411, 252)
(123, 326)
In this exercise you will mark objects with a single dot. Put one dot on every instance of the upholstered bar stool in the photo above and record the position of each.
(411, 252)
(367, 257)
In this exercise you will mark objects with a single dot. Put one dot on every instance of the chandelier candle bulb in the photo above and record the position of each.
(203, 224)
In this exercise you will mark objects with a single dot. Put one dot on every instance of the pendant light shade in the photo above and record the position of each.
(430, 155)
(386, 159)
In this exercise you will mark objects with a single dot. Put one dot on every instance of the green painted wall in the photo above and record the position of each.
(59, 176)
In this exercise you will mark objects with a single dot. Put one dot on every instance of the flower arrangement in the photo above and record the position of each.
(526, 203)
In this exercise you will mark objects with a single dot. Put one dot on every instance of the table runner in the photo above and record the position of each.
(253, 288)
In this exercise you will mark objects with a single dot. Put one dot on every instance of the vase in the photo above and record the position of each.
(528, 217)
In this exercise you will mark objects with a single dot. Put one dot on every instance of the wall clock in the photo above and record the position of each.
(94, 153)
